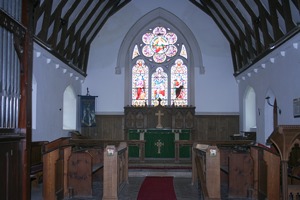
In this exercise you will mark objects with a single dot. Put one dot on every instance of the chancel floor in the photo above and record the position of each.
(181, 172)
(183, 188)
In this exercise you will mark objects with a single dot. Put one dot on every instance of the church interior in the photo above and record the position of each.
(106, 95)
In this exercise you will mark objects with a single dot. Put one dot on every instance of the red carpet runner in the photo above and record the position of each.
(157, 188)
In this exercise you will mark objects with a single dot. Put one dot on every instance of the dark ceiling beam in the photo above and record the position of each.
(212, 6)
(38, 11)
(234, 43)
(257, 23)
(287, 14)
(117, 6)
(274, 6)
(297, 4)
(208, 11)
(75, 37)
(50, 45)
(245, 41)
(92, 27)
(201, 6)
(263, 17)
(239, 45)
(250, 33)
(72, 42)
(66, 29)
(58, 23)
(47, 5)
(83, 43)
(233, 21)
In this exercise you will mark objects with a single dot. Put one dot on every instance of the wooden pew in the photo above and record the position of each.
(207, 167)
(61, 154)
(36, 162)
(82, 166)
(240, 174)
(251, 172)
(55, 169)
(225, 148)
(266, 173)
(246, 171)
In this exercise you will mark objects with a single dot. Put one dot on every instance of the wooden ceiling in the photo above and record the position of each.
(253, 28)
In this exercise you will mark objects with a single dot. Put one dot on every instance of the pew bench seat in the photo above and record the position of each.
(36, 164)
(36, 174)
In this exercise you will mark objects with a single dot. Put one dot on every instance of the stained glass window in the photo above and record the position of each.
(159, 87)
(161, 55)
(179, 83)
(136, 52)
(159, 44)
(140, 74)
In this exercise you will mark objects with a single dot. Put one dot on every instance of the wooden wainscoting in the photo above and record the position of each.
(206, 127)
(108, 127)
(216, 127)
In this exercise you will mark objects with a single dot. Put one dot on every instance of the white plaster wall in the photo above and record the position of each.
(51, 81)
(280, 78)
(216, 91)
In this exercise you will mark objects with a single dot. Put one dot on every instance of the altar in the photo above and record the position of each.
(158, 132)
(160, 143)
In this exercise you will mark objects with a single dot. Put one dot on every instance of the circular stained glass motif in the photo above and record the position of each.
(159, 44)
(159, 58)
(147, 51)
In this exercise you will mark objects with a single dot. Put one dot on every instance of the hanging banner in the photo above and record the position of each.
(87, 111)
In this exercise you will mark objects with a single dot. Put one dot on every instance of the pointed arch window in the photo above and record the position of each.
(159, 87)
(140, 74)
(179, 83)
(160, 54)
(69, 109)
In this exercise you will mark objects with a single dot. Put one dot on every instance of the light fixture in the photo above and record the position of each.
(268, 101)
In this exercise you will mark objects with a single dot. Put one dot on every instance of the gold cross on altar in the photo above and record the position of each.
(159, 114)
(159, 144)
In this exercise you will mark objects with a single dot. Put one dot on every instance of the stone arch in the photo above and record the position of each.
(159, 14)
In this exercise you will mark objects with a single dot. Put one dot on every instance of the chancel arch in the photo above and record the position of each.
(186, 43)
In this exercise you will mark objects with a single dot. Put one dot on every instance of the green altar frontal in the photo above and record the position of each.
(159, 143)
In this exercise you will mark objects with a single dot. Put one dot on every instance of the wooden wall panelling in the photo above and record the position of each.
(108, 127)
(216, 127)
(206, 127)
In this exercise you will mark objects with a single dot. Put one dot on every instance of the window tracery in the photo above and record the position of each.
(162, 56)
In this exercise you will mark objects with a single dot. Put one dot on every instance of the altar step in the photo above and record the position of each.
(153, 172)
(160, 168)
